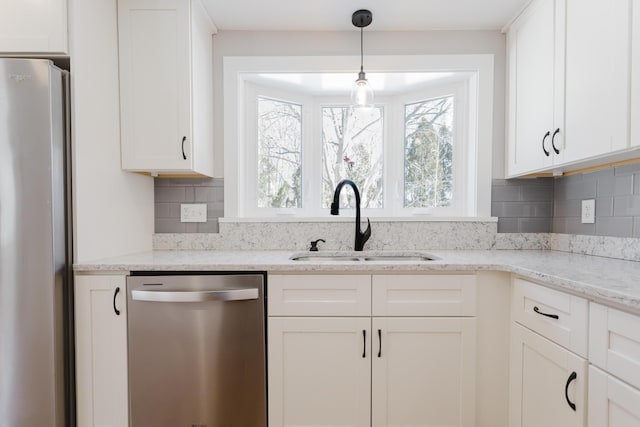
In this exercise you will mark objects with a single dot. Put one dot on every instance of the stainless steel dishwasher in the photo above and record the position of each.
(197, 350)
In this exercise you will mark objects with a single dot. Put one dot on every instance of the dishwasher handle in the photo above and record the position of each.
(196, 296)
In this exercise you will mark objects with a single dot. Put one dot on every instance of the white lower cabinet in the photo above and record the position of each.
(368, 370)
(612, 403)
(101, 351)
(423, 372)
(319, 371)
(548, 382)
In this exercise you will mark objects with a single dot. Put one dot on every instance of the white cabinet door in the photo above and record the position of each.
(546, 380)
(635, 76)
(166, 96)
(319, 371)
(612, 403)
(101, 351)
(597, 77)
(33, 26)
(535, 87)
(423, 372)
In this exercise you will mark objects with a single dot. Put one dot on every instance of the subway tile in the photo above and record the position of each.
(170, 194)
(169, 226)
(505, 193)
(636, 183)
(534, 225)
(189, 194)
(191, 227)
(636, 227)
(599, 173)
(612, 185)
(627, 169)
(160, 182)
(209, 194)
(567, 208)
(216, 210)
(210, 226)
(584, 189)
(626, 206)
(614, 226)
(167, 210)
(536, 193)
(508, 225)
(574, 226)
(497, 181)
(604, 206)
(191, 182)
(559, 225)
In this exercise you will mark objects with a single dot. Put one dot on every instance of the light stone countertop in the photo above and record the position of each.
(610, 281)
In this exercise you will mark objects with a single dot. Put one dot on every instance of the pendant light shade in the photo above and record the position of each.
(362, 94)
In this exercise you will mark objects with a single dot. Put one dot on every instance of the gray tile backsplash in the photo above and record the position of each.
(538, 205)
(171, 192)
(521, 204)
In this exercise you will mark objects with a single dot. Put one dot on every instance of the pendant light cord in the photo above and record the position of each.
(361, 50)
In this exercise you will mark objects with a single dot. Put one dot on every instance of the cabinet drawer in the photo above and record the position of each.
(424, 295)
(558, 316)
(319, 295)
(614, 342)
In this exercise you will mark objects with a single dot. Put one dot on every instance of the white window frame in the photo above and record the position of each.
(462, 143)
(477, 200)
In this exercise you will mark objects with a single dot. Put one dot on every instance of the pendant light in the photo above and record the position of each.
(362, 94)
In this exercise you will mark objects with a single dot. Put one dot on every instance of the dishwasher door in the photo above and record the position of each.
(197, 350)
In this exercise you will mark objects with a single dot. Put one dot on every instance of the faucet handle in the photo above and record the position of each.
(367, 232)
(314, 245)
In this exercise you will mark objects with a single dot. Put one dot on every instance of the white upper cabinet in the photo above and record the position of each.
(166, 92)
(38, 27)
(535, 50)
(573, 85)
(635, 76)
(598, 37)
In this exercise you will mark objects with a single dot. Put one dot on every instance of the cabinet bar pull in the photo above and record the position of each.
(115, 294)
(537, 310)
(553, 141)
(184, 156)
(572, 377)
(546, 135)
(379, 343)
(364, 343)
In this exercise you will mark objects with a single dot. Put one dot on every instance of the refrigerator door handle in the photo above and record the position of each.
(197, 296)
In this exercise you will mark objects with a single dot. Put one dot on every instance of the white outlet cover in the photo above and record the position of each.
(588, 211)
(193, 212)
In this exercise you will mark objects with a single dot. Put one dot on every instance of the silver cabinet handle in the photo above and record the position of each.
(199, 296)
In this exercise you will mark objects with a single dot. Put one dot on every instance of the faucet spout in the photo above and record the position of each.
(361, 237)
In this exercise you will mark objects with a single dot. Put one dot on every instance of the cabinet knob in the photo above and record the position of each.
(184, 156)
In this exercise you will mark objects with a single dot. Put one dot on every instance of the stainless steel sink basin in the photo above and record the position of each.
(359, 256)
(320, 258)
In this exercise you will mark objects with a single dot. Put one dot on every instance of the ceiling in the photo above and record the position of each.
(388, 15)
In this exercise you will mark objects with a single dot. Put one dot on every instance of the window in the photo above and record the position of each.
(429, 153)
(352, 147)
(417, 152)
(279, 146)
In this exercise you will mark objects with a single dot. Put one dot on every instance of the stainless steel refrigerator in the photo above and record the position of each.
(35, 292)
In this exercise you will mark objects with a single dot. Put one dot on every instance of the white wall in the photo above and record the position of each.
(274, 43)
(113, 209)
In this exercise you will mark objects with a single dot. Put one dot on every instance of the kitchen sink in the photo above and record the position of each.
(363, 256)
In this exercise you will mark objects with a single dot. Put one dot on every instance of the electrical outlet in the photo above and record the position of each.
(193, 212)
(588, 211)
